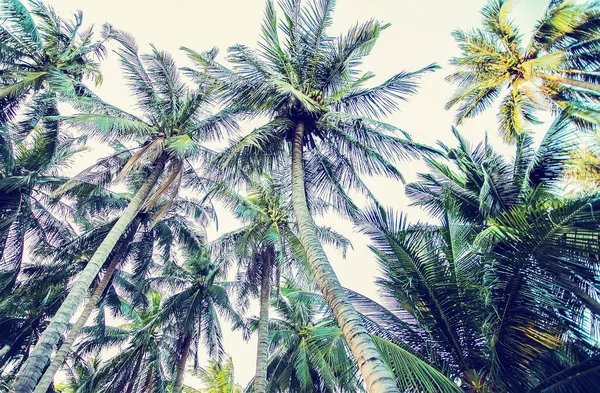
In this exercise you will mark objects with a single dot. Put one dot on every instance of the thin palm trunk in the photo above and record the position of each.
(374, 372)
(571, 82)
(262, 350)
(65, 348)
(134, 375)
(180, 371)
(40, 356)
(149, 380)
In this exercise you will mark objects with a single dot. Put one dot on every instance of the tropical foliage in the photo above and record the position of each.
(497, 291)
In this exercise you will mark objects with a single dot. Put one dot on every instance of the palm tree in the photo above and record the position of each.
(319, 109)
(142, 361)
(79, 375)
(218, 378)
(265, 243)
(25, 313)
(498, 293)
(65, 348)
(174, 230)
(192, 313)
(43, 58)
(260, 247)
(556, 69)
(28, 176)
(308, 352)
(171, 131)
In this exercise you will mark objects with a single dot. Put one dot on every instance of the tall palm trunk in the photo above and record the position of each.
(65, 348)
(38, 359)
(262, 349)
(374, 372)
(180, 370)
(571, 82)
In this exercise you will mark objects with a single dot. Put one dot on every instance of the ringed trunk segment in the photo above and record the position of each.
(262, 350)
(65, 348)
(377, 377)
(33, 368)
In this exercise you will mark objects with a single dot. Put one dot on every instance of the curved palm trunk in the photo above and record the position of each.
(40, 356)
(65, 348)
(262, 350)
(571, 82)
(180, 371)
(374, 372)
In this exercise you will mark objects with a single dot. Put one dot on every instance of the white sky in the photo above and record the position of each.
(419, 35)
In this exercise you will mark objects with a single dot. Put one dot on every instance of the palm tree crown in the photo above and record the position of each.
(556, 69)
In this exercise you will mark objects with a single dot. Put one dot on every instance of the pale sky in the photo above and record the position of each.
(419, 35)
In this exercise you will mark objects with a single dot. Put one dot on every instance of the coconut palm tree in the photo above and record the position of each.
(308, 352)
(141, 364)
(307, 83)
(556, 69)
(28, 176)
(191, 314)
(171, 130)
(43, 59)
(498, 294)
(80, 375)
(267, 242)
(218, 378)
(174, 231)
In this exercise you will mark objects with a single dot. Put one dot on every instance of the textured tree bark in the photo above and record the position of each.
(180, 371)
(374, 372)
(65, 348)
(262, 350)
(40, 356)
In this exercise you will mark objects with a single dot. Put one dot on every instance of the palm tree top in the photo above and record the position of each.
(556, 69)
(41, 50)
(301, 72)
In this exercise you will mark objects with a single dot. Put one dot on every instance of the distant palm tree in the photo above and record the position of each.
(267, 242)
(80, 376)
(307, 83)
(308, 352)
(140, 364)
(557, 69)
(498, 293)
(170, 133)
(217, 378)
(191, 314)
